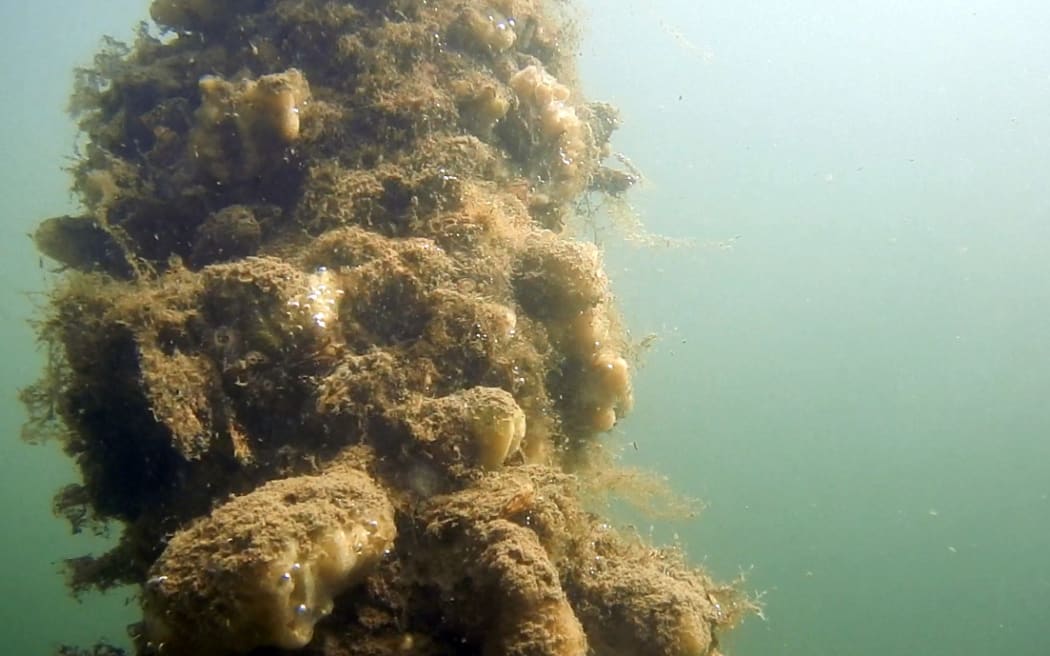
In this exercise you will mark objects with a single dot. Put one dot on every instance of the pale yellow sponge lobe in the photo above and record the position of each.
(498, 425)
(263, 113)
(268, 108)
(610, 388)
(548, 102)
(489, 29)
(480, 426)
(263, 568)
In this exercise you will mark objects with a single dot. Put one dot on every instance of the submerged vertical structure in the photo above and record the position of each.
(324, 349)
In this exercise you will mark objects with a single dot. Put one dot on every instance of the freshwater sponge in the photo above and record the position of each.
(239, 127)
(263, 568)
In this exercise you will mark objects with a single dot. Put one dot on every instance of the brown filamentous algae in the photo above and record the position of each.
(325, 349)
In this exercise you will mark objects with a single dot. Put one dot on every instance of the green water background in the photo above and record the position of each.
(852, 360)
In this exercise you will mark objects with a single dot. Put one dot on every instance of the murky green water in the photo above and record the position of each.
(852, 357)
